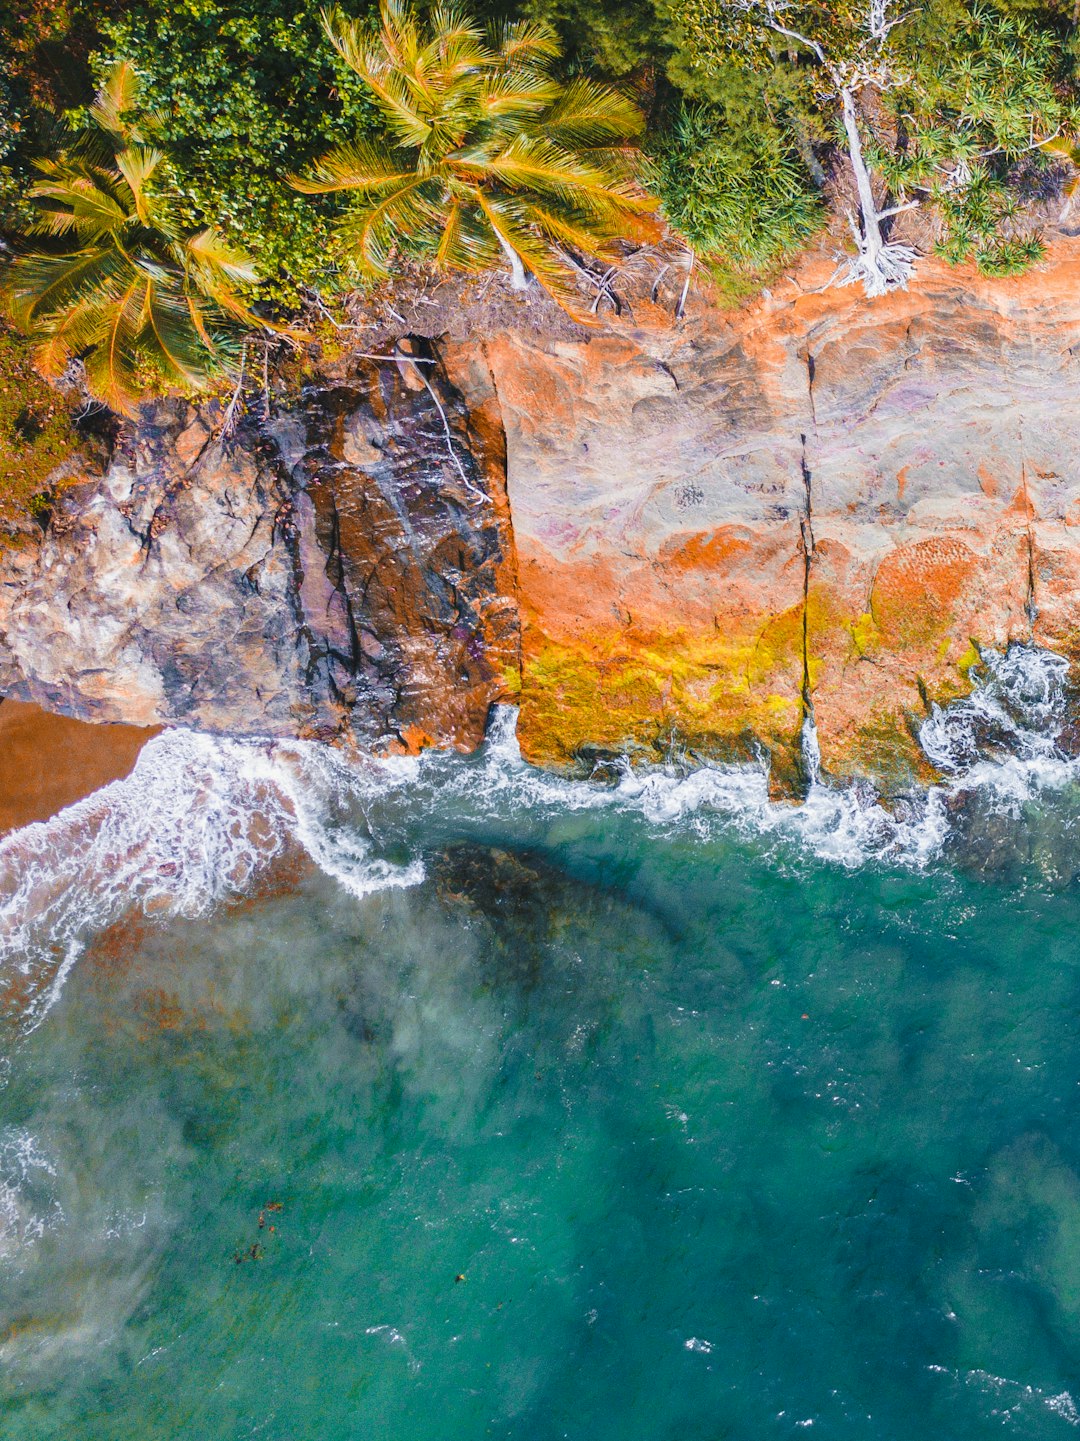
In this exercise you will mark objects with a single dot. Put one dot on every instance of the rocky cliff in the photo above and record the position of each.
(339, 563)
(816, 501)
(654, 537)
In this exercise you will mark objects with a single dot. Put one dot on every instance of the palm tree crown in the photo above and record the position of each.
(118, 281)
(494, 159)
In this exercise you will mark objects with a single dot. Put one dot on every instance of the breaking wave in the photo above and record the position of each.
(1006, 743)
(194, 824)
(200, 818)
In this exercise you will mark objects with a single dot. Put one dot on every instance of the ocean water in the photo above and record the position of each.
(443, 1100)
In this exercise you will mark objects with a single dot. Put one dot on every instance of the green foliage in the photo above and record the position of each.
(742, 198)
(953, 93)
(617, 39)
(36, 433)
(116, 280)
(982, 220)
(43, 48)
(247, 91)
(982, 92)
(991, 88)
(741, 114)
(492, 159)
(830, 42)
(10, 125)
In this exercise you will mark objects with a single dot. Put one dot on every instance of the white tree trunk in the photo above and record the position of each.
(881, 267)
(519, 277)
(871, 227)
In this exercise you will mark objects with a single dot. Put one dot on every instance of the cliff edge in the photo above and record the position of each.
(654, 538)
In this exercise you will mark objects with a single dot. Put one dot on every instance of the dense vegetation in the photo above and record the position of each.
(491, 158)
(124, 286)
(761, 119)
(36, 434)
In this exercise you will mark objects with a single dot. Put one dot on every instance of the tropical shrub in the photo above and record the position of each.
(492, 160)
(934, 104)
(36, 433)
(840, 51)
(940, 94)
(983, 220)
(991, 90)
(743, 200)
(246, 90)
(114, 279)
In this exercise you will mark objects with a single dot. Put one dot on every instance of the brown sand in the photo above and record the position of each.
(50, 761)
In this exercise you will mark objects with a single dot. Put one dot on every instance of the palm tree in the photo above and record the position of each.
(493, 159)
(118, 281)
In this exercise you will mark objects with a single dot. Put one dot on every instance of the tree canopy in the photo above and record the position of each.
(493, 159)
(935, 103)
(507, 139)
(114, 280)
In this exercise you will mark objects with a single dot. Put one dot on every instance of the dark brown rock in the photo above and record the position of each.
(339, 567)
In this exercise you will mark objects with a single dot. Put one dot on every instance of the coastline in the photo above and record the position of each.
(655, 539)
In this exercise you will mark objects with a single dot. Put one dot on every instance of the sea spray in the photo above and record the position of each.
(194, 824)
(27, 1202)
(201, 817)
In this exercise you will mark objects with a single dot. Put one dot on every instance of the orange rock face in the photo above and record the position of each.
(657, 538)
(818, 501)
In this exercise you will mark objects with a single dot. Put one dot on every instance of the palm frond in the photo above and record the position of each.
(586, 113)
(216, 263)
(400, 34)
(467, 241)
(66, 334)
(356, 165)
(36, 287)
(137, 163)
(367, 235)
(528, 164)
(455, 51)
(179, 351)
(118, 282)
(580, 232)
(112, 365)
(493, 157)
(524, 42)
(510, 95)
(76, 194)
(381, 75)
(115, 100)
(88, 213)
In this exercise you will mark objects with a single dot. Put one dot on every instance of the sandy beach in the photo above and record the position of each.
(50, 761)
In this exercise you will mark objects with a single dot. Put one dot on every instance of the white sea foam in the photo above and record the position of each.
(1011, 1400)
(1002, 743)
(27, 1206)
(200, 817)
(195, 822)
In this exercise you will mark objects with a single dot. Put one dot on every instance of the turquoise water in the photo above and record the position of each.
(542, 1111)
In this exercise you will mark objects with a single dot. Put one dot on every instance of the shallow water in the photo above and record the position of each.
(448, 1100)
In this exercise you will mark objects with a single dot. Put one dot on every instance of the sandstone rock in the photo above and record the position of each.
(816, 499)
